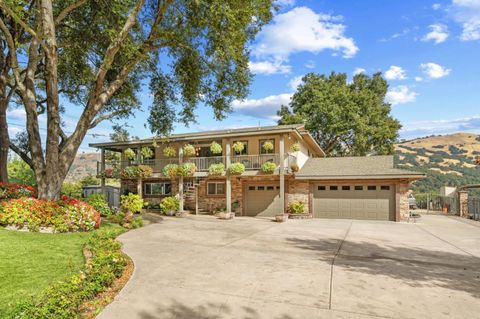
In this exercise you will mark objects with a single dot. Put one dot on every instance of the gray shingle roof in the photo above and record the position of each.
(364, 167)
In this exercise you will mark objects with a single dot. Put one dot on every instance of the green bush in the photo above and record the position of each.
(137, 222)
(169, 204)
(236, 169)
(269, 167)
(296, 207)
(215, 148)
(216, 169)
(169, 151)
(129, 154)
(100, 204)
(188, 150)
(130, 204)
(72, 189)
(63, 300)
(170, 170)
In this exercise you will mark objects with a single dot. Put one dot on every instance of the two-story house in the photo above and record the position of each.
(297, 169)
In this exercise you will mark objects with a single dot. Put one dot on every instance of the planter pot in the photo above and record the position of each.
(170, 213)
(223, 215)
(281, 218)
(181, 214)
(299, 216)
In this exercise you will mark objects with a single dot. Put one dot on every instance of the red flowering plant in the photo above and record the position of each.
(8, 191)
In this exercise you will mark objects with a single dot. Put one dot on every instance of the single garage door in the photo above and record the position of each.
(262, 200)
(354, 201)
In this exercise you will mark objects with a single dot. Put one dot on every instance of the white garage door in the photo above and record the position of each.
(262, 200)
(354, 201)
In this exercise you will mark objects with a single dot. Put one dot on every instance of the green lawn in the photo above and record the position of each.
(29, 262)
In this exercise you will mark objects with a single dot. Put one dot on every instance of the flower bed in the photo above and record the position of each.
(64, 215)
(10, 191)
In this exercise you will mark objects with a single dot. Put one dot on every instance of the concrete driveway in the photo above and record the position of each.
(201, 267)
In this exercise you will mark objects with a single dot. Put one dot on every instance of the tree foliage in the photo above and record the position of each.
(346, 119)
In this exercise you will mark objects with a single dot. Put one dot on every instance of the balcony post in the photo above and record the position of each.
(180, 179)
(228, 184)
(282, 174)
(139, 180)
(102, 171)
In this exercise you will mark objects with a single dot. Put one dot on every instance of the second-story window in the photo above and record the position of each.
(245, 148)
(267, 146)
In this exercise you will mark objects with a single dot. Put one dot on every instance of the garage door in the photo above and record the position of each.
(262, 200)
(354, 201)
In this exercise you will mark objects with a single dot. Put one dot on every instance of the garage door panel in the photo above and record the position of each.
(262, 200)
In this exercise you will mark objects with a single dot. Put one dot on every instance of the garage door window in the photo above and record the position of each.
(359, 188)
(334, 188)
(372, 188)
(385, 188)
(215, 188)
(345, 188)
(321, 188)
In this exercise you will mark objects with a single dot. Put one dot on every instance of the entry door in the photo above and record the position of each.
(262, 200)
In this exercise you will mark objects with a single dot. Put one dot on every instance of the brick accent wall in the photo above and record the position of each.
(404, 190)
(299, 190)
(463, 204)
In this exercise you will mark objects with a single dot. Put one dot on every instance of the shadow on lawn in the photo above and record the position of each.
(415, 267)
(209, 310)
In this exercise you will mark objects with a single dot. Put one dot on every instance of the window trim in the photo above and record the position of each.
(151, 183)
(207, 190)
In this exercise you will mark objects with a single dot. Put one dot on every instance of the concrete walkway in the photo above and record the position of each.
(201, 267)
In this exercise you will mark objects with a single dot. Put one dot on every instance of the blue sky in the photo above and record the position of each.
(428, 50)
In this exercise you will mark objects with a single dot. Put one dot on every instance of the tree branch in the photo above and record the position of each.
(12, 51)
(22, 23)
(68, 9)
(24, 156)
(102, 118)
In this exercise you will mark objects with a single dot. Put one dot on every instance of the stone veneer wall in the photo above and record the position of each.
(299, 190)
(404, 191)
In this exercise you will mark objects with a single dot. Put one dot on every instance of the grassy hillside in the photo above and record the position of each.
(84, 164)
(447, 160)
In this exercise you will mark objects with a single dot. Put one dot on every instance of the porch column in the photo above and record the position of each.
(102, 171)
(228, 184)
(139, 180)
(462, 197)
(180, 179)
(282, 174)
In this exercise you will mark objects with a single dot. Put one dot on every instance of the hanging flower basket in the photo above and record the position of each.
(170, 170)
(187, 169)
(269, 167)
(236, 169)
(169, 151)
(144, 171)
(188, 150)
(238, 147)
(295, 147)
(129, 154)
(146, 152)
(268, 146)
(216, 169)
(215, 148)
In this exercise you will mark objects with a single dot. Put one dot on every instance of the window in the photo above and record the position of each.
(216, 188)
(385, 188)
(261, 188)
(245, 148)
(345, 188)
(251, 188)
(270, 188)
(334, 188)
(158, 188)
(372, 188)
(359, 188)
(263, 151)
(321, 188)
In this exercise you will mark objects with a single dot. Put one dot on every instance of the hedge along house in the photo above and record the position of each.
(257, 171)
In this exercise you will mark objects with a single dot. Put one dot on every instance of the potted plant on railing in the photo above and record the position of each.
(238, 147)
(144, 171)
(216, 169)
(269, 167)
(129, 154)
(187, 169)
(169, 151)
(268, 146)
(170, 170)
(215, 148)
(170, 205)
(109, 173)
(236, 169)
(296, 210)
(188, 150)
(129, 172)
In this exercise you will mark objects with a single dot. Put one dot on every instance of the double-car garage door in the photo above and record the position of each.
(354, 201)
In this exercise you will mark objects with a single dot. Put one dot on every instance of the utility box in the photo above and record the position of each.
(448, 191)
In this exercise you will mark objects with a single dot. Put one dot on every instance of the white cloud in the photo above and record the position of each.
(303, 30)
(466, 124)
(418, 79)
(266, 107)
(310, 64)
(467, 13)
(268, 67)
(438, 33)
(434, 71)
(359, 71)
(285, 2)
(436, 6)
(395, 73)
(295, 82)
(400, 95)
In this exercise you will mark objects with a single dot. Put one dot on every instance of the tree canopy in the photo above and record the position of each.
(99, 54)
(346, 119)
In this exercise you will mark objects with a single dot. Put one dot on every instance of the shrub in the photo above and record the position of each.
(64, 215)
(169, 204)
(64, 299)
(72, 189)
(137, 222)
(188, 150)
(238, 147)
(269, 167)
(9, 191)
(215, 148)
(216, 169)
(295, 147)
(130, 204)
(268, 146)
(236, 169)
(187, 169)
(169, 151)
(129, 154)
(296, 207)
(100, 204)
(170, 170)
(146, 152)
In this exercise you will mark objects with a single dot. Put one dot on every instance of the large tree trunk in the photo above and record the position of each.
(4, 141)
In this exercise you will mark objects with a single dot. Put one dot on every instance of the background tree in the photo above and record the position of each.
(191, 51)
(20, 173)
(346, 119)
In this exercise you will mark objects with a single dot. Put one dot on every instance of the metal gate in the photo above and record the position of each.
(474, 208)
